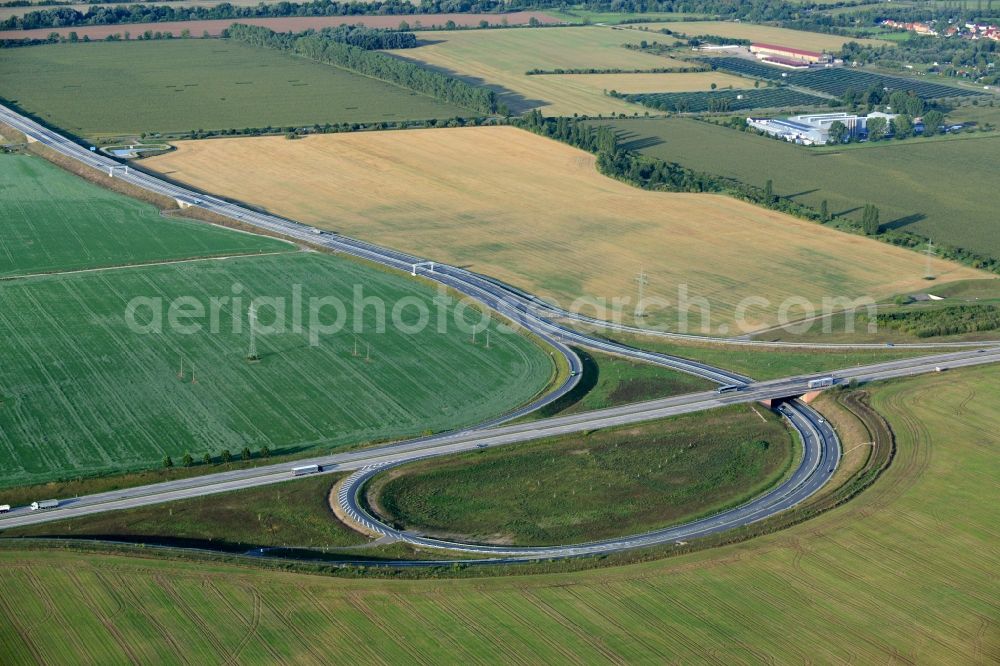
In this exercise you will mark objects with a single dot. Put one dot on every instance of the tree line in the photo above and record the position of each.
(952, 320)
(324, 47)
(65, 16)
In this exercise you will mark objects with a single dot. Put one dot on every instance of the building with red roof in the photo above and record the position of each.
(787, 53)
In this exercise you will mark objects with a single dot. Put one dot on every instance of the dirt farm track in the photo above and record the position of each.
(284, 24)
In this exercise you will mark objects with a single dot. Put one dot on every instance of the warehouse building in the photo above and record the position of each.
(812, 129)
(787, 56)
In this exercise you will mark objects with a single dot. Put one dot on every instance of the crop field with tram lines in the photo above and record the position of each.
(82, 394)
(55, 221)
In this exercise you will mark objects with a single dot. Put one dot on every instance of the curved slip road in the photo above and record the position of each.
(820, 455)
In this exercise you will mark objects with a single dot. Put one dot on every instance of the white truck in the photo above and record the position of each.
(822, 382)
(44, 504)
(306, 469)
(4, 508)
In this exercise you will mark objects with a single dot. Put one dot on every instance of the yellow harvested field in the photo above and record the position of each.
(650, 83)
(535, 213)
(501, 57)
(799, 39)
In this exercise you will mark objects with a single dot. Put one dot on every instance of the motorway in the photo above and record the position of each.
(821, 447)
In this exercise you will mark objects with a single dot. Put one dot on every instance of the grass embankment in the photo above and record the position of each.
(904, 571)
(592, 486)
(609, 380)
(942, 200)
(290, 515)
(183, 85)
(83, 393)
(550, 223)
(763, 363)
(54, 221)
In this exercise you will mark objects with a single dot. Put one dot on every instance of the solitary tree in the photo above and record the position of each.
(246, 454)
(824, 212)
(207, 459)
(265, 452)
(187, 460)
(168, 462)
(226, 456)
(769, 191)
(869, 220)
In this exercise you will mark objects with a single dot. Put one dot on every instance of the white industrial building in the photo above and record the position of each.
(814, 128)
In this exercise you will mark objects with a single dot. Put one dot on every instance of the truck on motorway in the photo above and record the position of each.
(4, 508)
(822, 382)
(729, 388)
(44, 504)
(306, 469)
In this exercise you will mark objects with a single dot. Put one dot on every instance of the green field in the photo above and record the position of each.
(600, 485)
(933, 188)
(125, 88)
(55, 221)
(81, 393)
(904, 572)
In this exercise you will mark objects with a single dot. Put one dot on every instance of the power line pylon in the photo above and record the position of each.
(252, 354)
(641, 280)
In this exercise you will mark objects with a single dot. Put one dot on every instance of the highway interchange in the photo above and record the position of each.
(821, 448)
